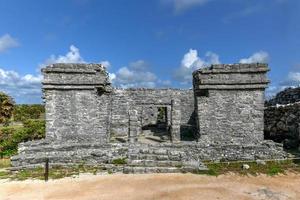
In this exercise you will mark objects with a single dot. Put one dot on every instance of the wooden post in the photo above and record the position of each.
(46, 174)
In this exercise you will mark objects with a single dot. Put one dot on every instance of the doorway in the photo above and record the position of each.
(155, 124)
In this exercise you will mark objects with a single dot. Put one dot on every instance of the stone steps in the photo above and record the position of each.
(154, 157)
(158, 159)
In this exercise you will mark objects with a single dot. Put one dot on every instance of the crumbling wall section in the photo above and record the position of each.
(287, 96)
(282, 124)
(282, 118)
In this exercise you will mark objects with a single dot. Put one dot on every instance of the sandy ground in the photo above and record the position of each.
(155, 186)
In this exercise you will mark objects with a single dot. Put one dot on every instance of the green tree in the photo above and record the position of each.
(23, 112)
(6, 108)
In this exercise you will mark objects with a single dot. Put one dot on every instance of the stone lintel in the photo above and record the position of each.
(231, 87)
(231, 76)
(73, 68)
(72, 87)
(68, 76)
(234, 68)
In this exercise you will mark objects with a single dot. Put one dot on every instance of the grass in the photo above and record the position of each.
(5, 163)
(54, 172)
(17, 126)
(270, 168)
(25, 174)
(119, 161)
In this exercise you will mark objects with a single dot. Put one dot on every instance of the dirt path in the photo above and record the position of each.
(156, 186)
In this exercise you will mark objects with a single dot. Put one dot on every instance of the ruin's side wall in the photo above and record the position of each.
(146, 101)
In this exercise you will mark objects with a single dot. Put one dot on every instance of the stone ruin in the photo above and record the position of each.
(282, 118)
(153, 130)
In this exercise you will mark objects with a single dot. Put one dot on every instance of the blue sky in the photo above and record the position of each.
(155, 43)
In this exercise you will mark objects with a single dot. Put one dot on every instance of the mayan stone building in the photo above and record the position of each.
(154, 130)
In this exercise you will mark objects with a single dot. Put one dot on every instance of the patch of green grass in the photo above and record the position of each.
(119, 161)
(37, 173)
(270, 168)
(18, 126)
(274, 170)
(5, 163)
(210, 172)
(56, 172)
(4, 174)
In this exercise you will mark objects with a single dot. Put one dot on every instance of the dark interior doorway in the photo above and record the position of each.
(158, 131)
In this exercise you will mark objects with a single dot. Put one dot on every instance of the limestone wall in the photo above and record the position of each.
(146, 102)
(282, 118)
(77, 106)
(229, 115)
(282, 124)
(287, 96)
(230, 102)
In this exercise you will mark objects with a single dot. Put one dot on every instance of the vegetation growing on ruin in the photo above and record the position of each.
(119, 161)
(270, 168)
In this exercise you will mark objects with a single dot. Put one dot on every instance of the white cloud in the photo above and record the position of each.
(7, 42)
(180, 6)
(135, 75)
(258, 57)
(294, 76)
(191, 62)
(139, 65)
(112, 77)
(105, 63)
(292, 80)
(73, 56)
(26, 89)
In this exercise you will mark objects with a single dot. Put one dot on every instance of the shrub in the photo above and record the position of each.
(35, 129)
(11, 137)
(6, 108)
(24, 112)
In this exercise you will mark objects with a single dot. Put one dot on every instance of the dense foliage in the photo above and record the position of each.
(10, 137)
(6, 108)
(24, 112)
